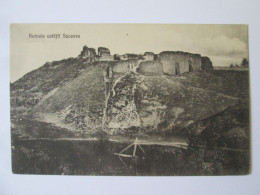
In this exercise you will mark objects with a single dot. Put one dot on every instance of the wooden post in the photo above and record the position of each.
(135, 145)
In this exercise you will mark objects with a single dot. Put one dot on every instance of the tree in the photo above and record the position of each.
(244, 63)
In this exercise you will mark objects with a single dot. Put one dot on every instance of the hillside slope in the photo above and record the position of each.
(227, 129)
(29, 90)
(156, 103)
(78, 105)
(74, 94)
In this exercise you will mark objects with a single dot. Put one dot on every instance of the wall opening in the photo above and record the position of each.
(190, 66)
(109, 72)
(177, 68)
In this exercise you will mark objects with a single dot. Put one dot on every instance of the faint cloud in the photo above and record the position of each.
(223, 46)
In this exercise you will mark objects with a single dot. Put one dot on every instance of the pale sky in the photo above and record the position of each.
(223, 44)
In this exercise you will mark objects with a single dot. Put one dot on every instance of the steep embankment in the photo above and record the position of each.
(156, 103)
(42, 82)
(68, 93)
(79, 104)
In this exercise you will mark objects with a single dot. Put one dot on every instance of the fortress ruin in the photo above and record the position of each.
(164, 63)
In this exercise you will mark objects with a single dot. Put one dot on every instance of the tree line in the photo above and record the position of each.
(244, 64)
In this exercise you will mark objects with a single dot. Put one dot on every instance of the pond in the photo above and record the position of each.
(96, 157)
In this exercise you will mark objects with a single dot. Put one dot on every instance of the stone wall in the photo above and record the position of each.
(103, 51)
(106, 58)
(167, 62)
(206, 64)
(122, 57)
(150, 68)
(117, 57)
(179, 62)
(87, 52)
(148, 56)
(129, 56)
(196, 61)
(125, 66)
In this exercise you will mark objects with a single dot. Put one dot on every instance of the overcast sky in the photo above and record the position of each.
(223, 44)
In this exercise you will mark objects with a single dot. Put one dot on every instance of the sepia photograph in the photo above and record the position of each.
(130, 99)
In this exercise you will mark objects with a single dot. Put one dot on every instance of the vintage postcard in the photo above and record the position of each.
(130, 99)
